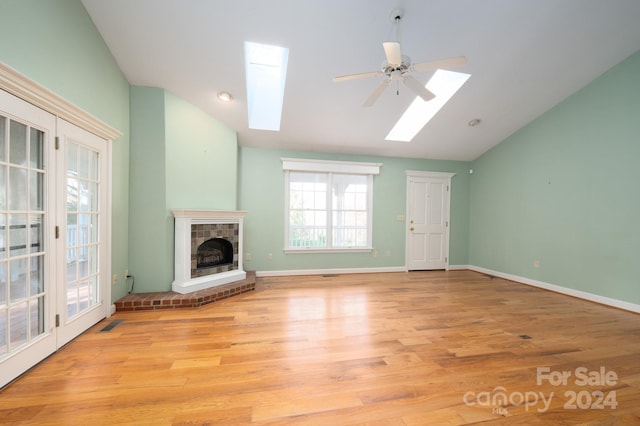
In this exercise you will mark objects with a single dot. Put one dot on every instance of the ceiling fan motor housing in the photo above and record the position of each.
(395, 72)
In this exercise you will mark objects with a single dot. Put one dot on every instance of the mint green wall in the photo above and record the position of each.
(262, 195)
(181, 158)
(564, 191)
(202, 158)
(55, 43)
(150, 241)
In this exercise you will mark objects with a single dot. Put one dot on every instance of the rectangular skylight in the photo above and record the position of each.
(444, 84)
(266, 72)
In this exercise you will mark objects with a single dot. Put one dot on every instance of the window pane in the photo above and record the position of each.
(18, 143)
(17, 235)
(3, 187)
(18, 283)
(36, 275)
(36, 315)
(37, 233)
(3, 236)
(18, 321)
(18, 189)
(36, 142)
(3, 284)
(35, 194)
(72, 195)
(3, 129)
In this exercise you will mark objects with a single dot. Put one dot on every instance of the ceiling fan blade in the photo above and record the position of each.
(355, 76)
(458, 61)
(376, 94)
(392, 51)
(418, 88)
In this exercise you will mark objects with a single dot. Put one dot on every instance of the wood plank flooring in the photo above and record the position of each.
(415, 348)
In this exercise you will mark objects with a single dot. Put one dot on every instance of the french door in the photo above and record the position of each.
(81, 255)
(427, 235)
(52, 251)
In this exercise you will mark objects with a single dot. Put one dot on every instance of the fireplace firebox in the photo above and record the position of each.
(214, 252)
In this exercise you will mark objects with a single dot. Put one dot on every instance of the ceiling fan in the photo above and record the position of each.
(398, 67)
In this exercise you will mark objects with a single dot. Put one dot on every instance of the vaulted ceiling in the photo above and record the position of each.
(524, 57)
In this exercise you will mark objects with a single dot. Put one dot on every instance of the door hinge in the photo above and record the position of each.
(447, 187)
(446, 223)
(446, 259)
(57, 320)
(57, 232)
(57, 143)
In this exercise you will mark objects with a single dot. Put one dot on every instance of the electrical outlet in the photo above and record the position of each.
(126, 273)
(536, 263)
(247, 257)
(270, 256)
(376, 253)
(400, 218)
(388, 253)
(114, 281)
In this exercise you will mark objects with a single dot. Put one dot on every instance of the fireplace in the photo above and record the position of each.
(208, 249)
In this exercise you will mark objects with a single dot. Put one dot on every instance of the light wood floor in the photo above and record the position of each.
(413, 348)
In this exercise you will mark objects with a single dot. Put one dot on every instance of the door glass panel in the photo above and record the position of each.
(83, 191)
(36, 145)
(18, 188)
(22, 235)
(18, 143)
(19, 325)
(3, 127)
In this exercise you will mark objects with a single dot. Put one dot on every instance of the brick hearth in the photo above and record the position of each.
(173, 300)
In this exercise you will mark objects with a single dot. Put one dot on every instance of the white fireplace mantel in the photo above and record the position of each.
(183, 282)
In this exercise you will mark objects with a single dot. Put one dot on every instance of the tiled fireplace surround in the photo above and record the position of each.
(193, 287)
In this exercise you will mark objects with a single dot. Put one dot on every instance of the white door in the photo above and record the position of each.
(54, 240)
(27, 262)
(428, 220)
(82, 250)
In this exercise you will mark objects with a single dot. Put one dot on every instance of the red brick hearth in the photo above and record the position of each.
(173, 300)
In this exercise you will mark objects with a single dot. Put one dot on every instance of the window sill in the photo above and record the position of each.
(328, 250)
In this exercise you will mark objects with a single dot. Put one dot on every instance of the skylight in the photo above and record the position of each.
(266, 72)
(444, 84)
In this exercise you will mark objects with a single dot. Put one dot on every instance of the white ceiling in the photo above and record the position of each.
(525, 56)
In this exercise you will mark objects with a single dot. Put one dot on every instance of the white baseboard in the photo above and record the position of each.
(330, 271)
(458, 267)
(621, 304)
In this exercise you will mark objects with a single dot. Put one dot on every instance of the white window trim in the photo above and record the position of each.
(328, 166)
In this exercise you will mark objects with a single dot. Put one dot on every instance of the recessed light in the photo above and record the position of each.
(225, 96)
(474, 122)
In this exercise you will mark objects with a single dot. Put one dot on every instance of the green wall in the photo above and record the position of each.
(55, 43)
(262, 195)
(564, 191)
(181, 158)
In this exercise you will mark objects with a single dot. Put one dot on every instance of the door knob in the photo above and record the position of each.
(411, 229)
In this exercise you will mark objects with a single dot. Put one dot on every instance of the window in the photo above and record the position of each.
(328, 205)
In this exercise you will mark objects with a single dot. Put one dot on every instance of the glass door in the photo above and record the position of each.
(27, 325)
(83, 249)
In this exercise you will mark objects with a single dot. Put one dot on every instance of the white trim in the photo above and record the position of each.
(328, 166)
(14, 82)
(303, 250)
(458, 267)
(621, 304)
(437, 175)
(330, 271)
